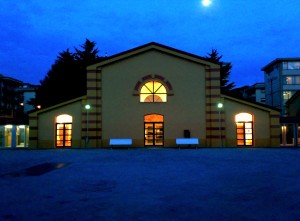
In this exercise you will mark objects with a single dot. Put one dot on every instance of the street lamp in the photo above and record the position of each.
(87, 108)
(220, 106)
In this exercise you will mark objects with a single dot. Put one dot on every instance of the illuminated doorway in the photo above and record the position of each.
(244, 129)
(63, 131)
(154, 130)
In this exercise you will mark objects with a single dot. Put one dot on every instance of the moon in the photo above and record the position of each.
(206, 3)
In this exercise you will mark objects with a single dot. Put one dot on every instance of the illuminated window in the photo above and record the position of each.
(288, 80)
(153, 91)
(287, 95)
(291, 80)
(64, 130)
(291, 65)
(244, 129)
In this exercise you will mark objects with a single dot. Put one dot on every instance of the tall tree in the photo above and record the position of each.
(67, 77)
(225, 69)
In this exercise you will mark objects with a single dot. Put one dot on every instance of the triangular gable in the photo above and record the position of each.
(252, 104)
(58, 105)
(158, 47)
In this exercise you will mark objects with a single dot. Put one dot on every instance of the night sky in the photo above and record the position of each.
(249, 34)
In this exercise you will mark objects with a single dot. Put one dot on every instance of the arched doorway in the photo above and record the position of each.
(154, 130)
(63, 131)
(244, 129)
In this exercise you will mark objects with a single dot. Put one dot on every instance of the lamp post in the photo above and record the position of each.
(220, 106)
(87, 108)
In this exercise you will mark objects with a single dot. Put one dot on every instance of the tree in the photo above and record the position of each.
(67, 77)
(225, 69)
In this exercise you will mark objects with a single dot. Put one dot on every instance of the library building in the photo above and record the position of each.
(154, 96)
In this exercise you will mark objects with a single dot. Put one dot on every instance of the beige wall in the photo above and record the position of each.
(47, 124)
(122, 113)
(261, 123)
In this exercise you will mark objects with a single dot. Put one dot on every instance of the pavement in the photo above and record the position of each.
(150, 184)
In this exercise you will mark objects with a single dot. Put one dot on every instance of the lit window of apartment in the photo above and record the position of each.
(291, 65)
(287, 95)
(291, 80)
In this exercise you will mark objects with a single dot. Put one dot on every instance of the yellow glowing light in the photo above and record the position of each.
(153, 91)
(64, 118)
(206, 3)
(154, 118)
(243, 117)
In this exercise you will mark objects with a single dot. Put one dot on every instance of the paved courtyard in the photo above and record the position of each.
(150, 184)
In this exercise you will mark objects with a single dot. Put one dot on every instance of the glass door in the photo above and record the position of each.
(64, 135)
(154, 134)
(244, 134)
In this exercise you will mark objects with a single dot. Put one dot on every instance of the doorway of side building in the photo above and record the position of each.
(244, 129)
(154, 130)
(63, 131)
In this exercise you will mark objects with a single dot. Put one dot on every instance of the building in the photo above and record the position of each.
(282, 80)
(14, 129)
(10, 98)
(28, 92)
(290, 124)
(155, 94)
(256, 92)
(14, 132)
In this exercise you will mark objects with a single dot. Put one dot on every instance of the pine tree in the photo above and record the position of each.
(67, 77)
(225, 69)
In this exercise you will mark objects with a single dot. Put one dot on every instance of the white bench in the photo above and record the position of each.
(187, 141)
(120, 142)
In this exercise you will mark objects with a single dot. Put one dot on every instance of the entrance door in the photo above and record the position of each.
(64, 135)
(64, 130)
(244, 129)
(154, 130)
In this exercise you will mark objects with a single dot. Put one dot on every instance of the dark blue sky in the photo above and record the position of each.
(249, 34)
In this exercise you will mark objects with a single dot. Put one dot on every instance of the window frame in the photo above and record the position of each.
(153, 92)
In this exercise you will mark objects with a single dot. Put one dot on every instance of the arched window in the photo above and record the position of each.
(244, 129)
(64, 130)
(153, 91)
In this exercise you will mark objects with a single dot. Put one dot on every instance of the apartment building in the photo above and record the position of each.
(282, 81)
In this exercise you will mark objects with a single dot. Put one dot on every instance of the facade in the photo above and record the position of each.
(28, 92)
(14, 125)
(282, 80)
(10, 98)
(154, 94)
(290, 124)
(14, 132)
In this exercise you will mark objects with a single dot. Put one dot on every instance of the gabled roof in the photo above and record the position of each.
(278, 60)
(250, 103)
(57, 105)
(153, 46)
